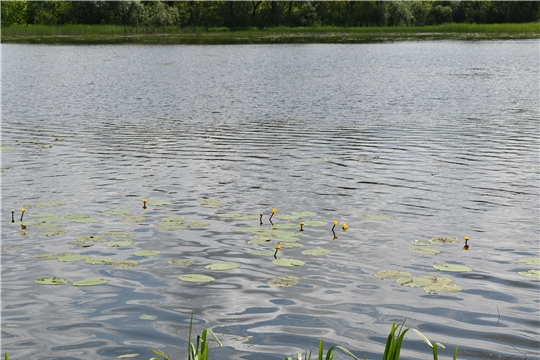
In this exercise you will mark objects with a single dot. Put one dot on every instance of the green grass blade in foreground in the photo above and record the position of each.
(165, 357)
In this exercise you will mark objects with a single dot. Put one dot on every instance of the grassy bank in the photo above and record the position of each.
(103, 34)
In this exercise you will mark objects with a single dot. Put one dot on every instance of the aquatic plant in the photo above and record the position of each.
(344, 227)
(144, 203)
(23, 210)
(12, 216)
(277, 247)
(260, 218)
(274, 210)
(466, 246)
(301, 226)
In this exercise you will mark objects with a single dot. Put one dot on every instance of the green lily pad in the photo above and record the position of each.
(117, 212)
(85, 220)
(120, 243)
(259, 241)
(71, 258)
(50, 219)
(422, 243)
(442, 288)
(287, 236)
(316, 252)
(196, 278)
(147, 252)
(96, 238)
(290, 245)
(133, 218)
(45, 225)
(98, 260)
(26, 141)
(288, 262)
(41, 214)
(119, 234)
(237, 216)
(391, 274)
(425, 251)
(174, 219)
(285, 226)
(49, 203)
(284, 281)
(158, 202)
(6, 149)
(222, 266)
(51, 281)
(444, 239)
(264, 252)
(416, 281)
(452, 268)
(171, 226)
(81, 243)
(243, 339)
(212, 206)
(90, 282)
(181, 262)
(54, 232)
(48, 256)
(193, 224)
(207, 201)
(251, 229)
(531, 273)
(128, 356)
(311, 223)
(148, 317)
(377, 217)
(531, 261)
(125, 263)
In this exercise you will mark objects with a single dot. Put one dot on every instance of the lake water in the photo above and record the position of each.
(402, 141)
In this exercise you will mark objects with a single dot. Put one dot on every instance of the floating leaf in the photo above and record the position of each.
(264, 252)
(377, 217)
(422, 243)
(50, 219)
(196, 278)
(284, 281)
(222, 266)
(85, 220)
(237, 216)
(531, 273)
(125, 263)
(174, 219)
(444, 239)
(316, 252)
(90, 282)
(48, 256)
(452, 268)
(285, 226)
(81, 243)
(441, 288)
(287, 236)
(207, 201)
(45, 204)
(416, 281)
(148, 317)
(41, 214)
(391, 274)
(212, 206)
(120, 243)
(158, 202)
(133, 218)
(98, 260)
(531, 261)
(117, 212)
(171, 226)
(311, 223)
(96, 238)
(181, 262)
(54, 232)
(259, 241)
(44, 225)
(243, 339)
(51, 281)
(288, 262)
(6, 149)
(251, 229)
(425, 251)
(119, 234)
(147, 252)
(128, 356)
(291, 245)
(70, 258)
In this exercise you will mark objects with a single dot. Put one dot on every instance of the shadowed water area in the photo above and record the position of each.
(401, 141)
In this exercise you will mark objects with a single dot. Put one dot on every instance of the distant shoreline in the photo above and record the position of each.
(111, 34)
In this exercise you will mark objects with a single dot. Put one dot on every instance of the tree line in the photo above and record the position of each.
(265, 14)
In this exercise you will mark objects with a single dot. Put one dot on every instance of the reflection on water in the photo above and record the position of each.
(402, 142)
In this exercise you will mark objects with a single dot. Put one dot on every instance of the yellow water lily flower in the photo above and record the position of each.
(466, 238)
(336, 222)
(344, 227)
(144, 201)
(274, 210)
(23, 210)
(277, 247)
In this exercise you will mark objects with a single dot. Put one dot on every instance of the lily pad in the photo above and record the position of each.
(54, 232)
(98, 260)
(416, 281)
(285, 226)
(81, 243)
(51, 281)
(193, 224)
(243, 339)
(284, 281)
(49, 203)
(85, 220)
(425, 251)
(96, 238)
(212, 206)
(133, 218)
(45, 225)
(125, 263)
(48, 256)
(316, 252)
(181, 262)
(147, 252)
(41, 214)
(117, 212)
(422, 243)
(120, 243)
(158, 202)
(259, 241)
(222, 266)
(196, 278)
(391, 274)
(444, 239)
(310, 223)
(531, 273)
(452, 268)
(442, 288)
(148, 317)
(208, 201)
(531, 261)
(71, 258)
(90, 282)
(264, 252)
(171, 226)
(237, 216)
(288, 262)
(290, 245)
(50, 219)
(174, 219)
(119, 234)
(377, 217)
(128, 356)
